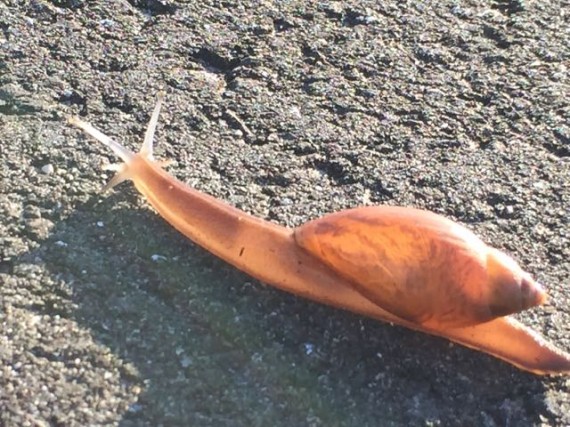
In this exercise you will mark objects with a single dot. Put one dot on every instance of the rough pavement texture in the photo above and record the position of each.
(287, 110)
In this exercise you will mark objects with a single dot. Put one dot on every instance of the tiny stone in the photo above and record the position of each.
(32, 211)
(134, 408)
(158, 258)
(47, 169)
(39, 227)
(185, 362)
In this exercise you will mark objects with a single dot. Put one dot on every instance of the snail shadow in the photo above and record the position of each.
(210, 346)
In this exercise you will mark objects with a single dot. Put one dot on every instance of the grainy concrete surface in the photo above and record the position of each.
(287, 110)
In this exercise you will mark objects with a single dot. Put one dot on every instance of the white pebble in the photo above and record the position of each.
(185, 362)
(157, 258)
(48, 169)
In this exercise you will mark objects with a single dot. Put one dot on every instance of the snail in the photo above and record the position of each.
(404, 266)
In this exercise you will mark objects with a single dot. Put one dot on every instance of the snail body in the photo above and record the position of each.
(400, 265)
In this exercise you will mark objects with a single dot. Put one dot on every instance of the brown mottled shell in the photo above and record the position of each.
(419, 266)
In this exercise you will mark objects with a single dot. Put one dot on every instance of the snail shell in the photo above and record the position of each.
(420, 266)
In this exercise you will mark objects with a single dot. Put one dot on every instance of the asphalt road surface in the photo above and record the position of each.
(287, 110)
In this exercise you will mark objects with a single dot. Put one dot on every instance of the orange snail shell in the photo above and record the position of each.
(420, 266)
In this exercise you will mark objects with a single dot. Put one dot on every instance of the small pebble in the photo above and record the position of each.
(47, 169)
(39, 228)
(157, 258)
(185, 362)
